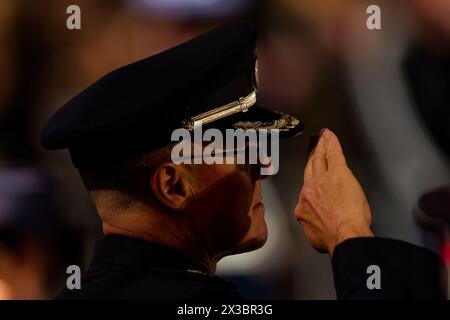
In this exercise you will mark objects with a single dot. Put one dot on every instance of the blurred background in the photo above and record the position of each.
(386, 94)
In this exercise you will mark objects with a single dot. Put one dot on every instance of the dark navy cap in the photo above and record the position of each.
(211, 80)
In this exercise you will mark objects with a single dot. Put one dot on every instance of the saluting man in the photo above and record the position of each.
(166, 225)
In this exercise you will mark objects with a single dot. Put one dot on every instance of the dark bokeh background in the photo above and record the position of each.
(386, 93)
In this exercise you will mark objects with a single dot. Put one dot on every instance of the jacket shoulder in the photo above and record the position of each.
(154, 284)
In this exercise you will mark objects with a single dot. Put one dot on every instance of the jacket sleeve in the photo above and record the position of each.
(380, 268)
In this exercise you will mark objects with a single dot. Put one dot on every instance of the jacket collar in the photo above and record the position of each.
(139, 254)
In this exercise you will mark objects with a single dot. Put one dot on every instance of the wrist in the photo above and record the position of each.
(349, 233)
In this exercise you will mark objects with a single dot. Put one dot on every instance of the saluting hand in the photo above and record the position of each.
(332, 206)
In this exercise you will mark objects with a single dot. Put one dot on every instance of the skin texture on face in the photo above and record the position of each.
(227, 207)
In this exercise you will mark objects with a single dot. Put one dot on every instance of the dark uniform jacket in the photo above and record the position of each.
(126, 268)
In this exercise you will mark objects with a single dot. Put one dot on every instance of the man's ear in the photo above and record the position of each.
(170, 185)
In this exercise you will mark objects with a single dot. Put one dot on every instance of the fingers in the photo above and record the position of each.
(316, 161)
(308, 173)
(319, 160)
(334, 155)
(312, 145)
(326, 155)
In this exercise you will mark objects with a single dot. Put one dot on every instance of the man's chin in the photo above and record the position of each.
(252, 243)
(248, 245)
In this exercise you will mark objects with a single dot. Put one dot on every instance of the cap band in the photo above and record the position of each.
(240, 105)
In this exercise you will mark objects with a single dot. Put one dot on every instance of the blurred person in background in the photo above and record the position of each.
(427, 67)
(427, 74)
(35, 245)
